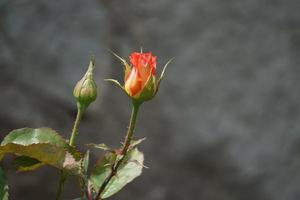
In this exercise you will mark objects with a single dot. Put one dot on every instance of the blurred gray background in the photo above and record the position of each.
(225, 123)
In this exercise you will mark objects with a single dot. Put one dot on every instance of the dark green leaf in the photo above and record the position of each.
(44, 145)
(3, 186)
(130, 168)
(25, 163)
(29, 136)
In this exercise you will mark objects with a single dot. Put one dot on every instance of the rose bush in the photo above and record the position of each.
(36, 147)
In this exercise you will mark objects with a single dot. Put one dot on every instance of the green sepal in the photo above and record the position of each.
(162, 75)
(164, 70)
(3, 186)
(117, 83)
(130, 168)
(44, 145)
(148, 91)
(126, 66)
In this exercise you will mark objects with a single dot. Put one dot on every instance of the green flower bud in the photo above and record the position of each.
(85, 90)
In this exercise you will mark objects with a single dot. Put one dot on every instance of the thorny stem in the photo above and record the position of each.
(85, 189)
(131, 127)
(63, 175)
(124, 150)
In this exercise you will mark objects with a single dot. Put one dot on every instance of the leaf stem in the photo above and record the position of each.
(124, 150)
(63, 175)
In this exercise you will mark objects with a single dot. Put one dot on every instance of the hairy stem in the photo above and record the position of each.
(124, 150)
(63, 175)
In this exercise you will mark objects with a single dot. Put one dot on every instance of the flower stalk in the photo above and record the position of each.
(124, 150)
(131, 127)
(85, 92)
(63, 175)
(80, 110)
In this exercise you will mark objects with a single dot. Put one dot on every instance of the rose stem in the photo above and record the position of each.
(63, 175)
(125, 147)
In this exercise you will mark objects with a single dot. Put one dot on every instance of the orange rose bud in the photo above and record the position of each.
(140, 80)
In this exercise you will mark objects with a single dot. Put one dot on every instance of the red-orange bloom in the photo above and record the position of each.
(143, 67)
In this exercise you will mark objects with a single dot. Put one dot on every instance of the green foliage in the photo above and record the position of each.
(34, 148)
(43, 145)
(130, 167)
(3, 186)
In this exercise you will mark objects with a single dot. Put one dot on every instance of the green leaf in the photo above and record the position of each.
(85, 162)
(83, 180)
(134, 143)
(25, 163)
(130, 168)
(99, 146)
(3, 186)
(29, 136)
(44, 145)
